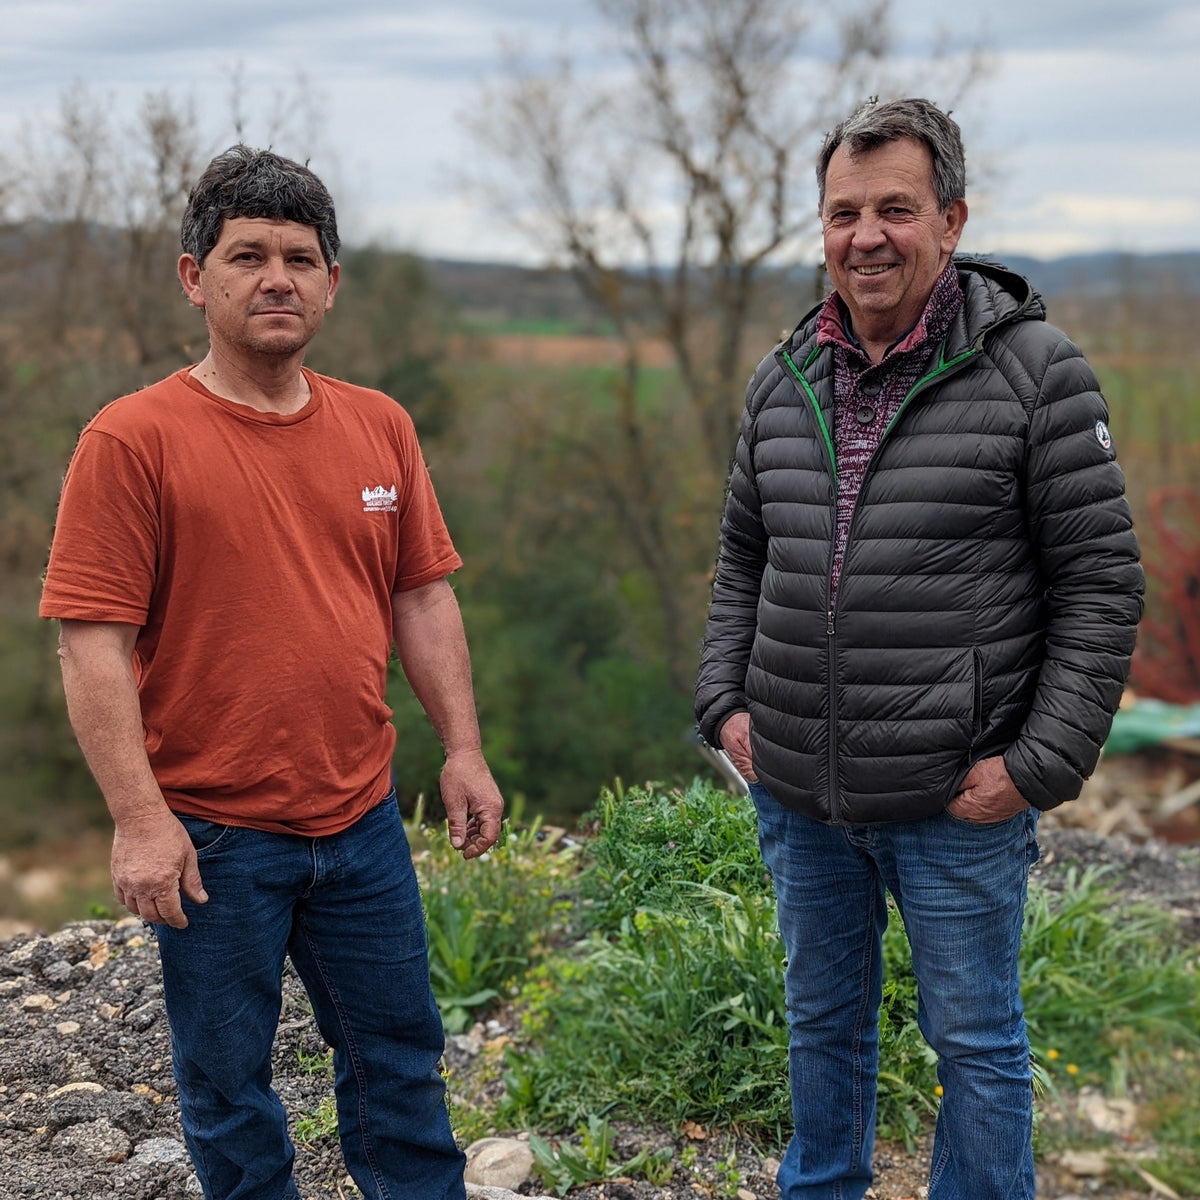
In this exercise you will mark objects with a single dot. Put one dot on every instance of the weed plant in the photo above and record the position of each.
(647, 847)
(489, 919)
(671, 1016)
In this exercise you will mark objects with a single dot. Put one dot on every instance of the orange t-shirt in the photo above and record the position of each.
(258, 553)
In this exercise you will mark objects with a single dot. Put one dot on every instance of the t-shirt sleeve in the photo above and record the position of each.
(426, 551)
(105, 548)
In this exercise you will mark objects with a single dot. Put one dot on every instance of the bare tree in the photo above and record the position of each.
(668, 187)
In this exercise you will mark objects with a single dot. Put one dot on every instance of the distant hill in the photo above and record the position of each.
(527, 298)
(1112, 273)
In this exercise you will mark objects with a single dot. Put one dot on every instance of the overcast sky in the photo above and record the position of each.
(1087, 123)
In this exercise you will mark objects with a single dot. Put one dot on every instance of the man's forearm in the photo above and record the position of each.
(432, 647)
(102, 704)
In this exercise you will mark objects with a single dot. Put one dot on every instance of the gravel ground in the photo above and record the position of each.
(88, 1107)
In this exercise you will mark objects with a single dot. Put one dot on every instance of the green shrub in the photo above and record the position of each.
(488, 919)
(646, 847)
(680, 1016)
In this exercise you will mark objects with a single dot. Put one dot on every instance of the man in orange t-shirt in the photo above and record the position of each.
(237, 549)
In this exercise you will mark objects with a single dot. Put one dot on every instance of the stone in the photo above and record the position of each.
(770, 1167)
(67, 1028)
(38, 1002)
(1083, 1163)
(99, 1139)
(142, 1017)
(161, 1150)
(58, 972)
(498, 1162)
(73, 942)
(477, 1191)
(83, 1085)
(1108, 1116)
(84, 1105)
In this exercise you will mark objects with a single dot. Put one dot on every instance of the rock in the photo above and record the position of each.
(58, 972)
(1084, 1163)
(82, 1105)
(161, 1150)
(73, 942)
(84, 1085)
(99, 1140)
(477, 1191)
(770, 1167)
(67, 1028)
(1108, 1116)
(38, 1002)
(141, 1018)
(498, 1162)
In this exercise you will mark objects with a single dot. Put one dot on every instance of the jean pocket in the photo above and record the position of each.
(207, 836)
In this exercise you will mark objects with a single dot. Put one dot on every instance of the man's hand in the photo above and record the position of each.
(152, 862)
(735, 741)
(473, 802)
(987, 794)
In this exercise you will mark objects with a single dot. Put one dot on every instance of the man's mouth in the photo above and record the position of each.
(872, 268)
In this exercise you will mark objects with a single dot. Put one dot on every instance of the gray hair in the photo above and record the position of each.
(243, 182)
(873, 125)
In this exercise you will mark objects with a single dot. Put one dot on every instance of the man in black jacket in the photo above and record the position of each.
(922, 616)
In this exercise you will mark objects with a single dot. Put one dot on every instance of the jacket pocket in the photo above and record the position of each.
(977, 712)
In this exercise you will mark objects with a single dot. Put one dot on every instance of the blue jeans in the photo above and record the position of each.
(346, 908)
(960, 888)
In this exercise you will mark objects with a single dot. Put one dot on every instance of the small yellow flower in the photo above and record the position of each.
(937, 1091)
(1051, 1054)
(1072, 1069)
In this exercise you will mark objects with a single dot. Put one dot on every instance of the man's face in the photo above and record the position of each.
(886, 242)
(264, 287)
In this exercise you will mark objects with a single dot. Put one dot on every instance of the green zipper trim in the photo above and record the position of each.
(942, 367)
(812, 399)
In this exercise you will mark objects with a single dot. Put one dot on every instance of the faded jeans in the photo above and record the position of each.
(960, 888)
(346, 908)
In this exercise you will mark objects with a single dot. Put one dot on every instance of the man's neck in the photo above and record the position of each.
(275, 385)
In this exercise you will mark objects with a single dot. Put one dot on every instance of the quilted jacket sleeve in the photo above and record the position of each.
(1082, 536)
(732, 615)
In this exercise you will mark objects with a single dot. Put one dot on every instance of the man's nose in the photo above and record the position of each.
(868, 232)
(274, 277)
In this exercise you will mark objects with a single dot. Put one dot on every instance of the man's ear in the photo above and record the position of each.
(956, 218)
(189, 279)
(335, 274)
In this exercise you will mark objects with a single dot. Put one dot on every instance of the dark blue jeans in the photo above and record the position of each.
(960, 888)
(346, 908)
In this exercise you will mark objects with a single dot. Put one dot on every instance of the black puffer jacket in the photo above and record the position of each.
(990, 591)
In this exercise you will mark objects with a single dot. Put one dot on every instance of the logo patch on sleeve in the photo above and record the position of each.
(1103, 436)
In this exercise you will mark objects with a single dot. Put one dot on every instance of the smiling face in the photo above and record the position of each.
(886, 241)
(264, 287)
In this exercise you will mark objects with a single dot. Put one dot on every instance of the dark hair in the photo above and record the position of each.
(243, 182)
(873, 125)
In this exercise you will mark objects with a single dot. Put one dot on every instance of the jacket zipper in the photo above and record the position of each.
(943, 367)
